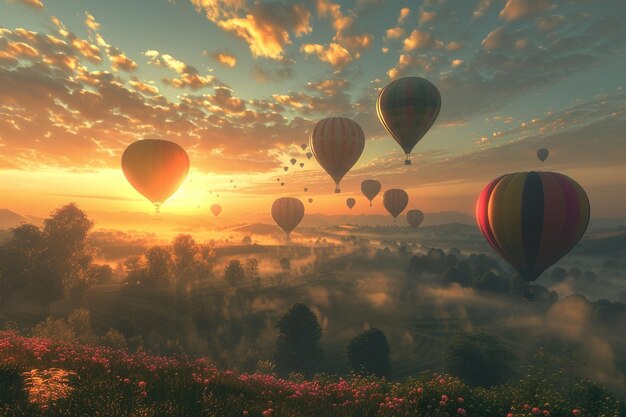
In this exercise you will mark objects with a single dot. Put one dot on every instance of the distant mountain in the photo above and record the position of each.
(430, 219)
(10, 219)
(257, 229)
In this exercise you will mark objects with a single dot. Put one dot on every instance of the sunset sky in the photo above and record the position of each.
(239, 84)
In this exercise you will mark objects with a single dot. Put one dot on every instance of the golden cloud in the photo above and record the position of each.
(418, 39)
(122, 62)
(394, 33)
(90, 21)
(335, 54)
(226, 59)
(144, 87)
(520, 9)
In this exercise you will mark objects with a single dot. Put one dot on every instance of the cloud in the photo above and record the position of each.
(265, 27)
(394, 33)
(481, 7)
(37, 4)
(144, 87)
(189, 77)
(418, 40)
(520, 9)
(550, 22)
(90, 22)
(264, 73)
(225, 58)
(426, 17)
(335, 54)
(120, 61)
(404, 13)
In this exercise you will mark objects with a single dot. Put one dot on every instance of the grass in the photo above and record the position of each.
(85, 380)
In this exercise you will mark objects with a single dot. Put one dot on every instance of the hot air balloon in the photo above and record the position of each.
(303, 146)
(293, 161)
(282, 184)
(286, 169)
(310, 200)
(350, 202)
(301, 164)
(287, 213)
(278, 179)
(370, 188)
(415, 218)
(395, 201)
(407, 108)
(542, 154)
(306, 189)
(337, 144)
(532, 219)
(156, 168)
(309, 155)
(216, 209)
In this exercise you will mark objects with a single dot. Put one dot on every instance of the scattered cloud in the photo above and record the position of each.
(521, 9)
(227, 59)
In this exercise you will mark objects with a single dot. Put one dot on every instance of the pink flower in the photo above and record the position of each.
(460, 400)
(509, 415)
(126, 381)
(444, 398)
(420, 391)
(536, 410)
(142, 385)
(576, 411)
(268, 412)
(546, 413)
(460, 411)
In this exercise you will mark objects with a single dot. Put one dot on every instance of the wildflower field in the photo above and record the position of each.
(39, 377)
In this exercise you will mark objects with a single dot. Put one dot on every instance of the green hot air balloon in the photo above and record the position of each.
(407, 108)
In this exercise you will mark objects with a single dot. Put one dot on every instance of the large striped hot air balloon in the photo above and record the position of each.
(407, 108)
(337, 144)
(370, 189)
(156, 168)
(395, 201)
(532, 219)
(287, 213)
(415, 218)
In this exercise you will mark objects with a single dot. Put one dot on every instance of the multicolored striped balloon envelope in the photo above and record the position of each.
(407, 108)
(287, 213)
(395, 201)
(532, 219)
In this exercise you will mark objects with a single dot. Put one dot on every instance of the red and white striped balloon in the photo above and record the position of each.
(287, 213)
(337, 144)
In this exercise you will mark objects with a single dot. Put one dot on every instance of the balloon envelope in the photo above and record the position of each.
(310, 200)
(293, 161)
(286, 169)
(542, 154)
(337, 144)
(415, 218)
(407, 108)
(303, 146)
(532, 219)
(309, 155)
(287, 213)
(395, 201)
(216, 209)
(301, 164)
(370, 188)
(306, 189)
(350, 202)
(155, 167)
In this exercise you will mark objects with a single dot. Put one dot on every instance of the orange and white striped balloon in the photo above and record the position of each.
(337, 144)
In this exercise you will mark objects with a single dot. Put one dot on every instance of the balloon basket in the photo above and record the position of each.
(408, 161)
(529, 293)
(337, 190)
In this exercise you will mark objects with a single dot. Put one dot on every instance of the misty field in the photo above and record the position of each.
(39, 377)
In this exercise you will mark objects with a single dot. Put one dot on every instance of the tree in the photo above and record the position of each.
(205, 261)
(285, 264)
(297, 346)
(479, 359)
(68, 252)
(135, 270)
(234, 273)
(158, 267)
(368, 353)
(252, 268)
(492, 282)
(184, 249)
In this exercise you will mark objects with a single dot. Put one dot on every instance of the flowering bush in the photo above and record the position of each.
(76, 380)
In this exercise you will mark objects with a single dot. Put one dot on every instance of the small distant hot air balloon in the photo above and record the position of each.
(309, 155)
(301, 164)
(407, 108)
(532, 219)
(286, 169)
(370, 188)
(282, 184)
(278, 179)
(303, 146)
(306, 189)
(350, 202)
(156, 168)
(542, 154)
(234, 186)
(231, 181)
(395, 201)
(310, 200)
(415, 218)
(287, 213)
(293, 161)
(216, 209)
(337, 144)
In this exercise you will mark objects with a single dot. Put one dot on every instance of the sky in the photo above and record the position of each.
(240, 84)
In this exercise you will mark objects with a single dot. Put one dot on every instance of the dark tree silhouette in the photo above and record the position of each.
(297, 347)
(158, 267)
(479, 359)
(184, 249)
(234, 273)
(285, 264)
(368, 353)
(252, 268)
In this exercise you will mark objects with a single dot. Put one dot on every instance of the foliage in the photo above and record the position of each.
(110, 382)
(234, 272)
(368, 353)
(297, 347)
(479, 359)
